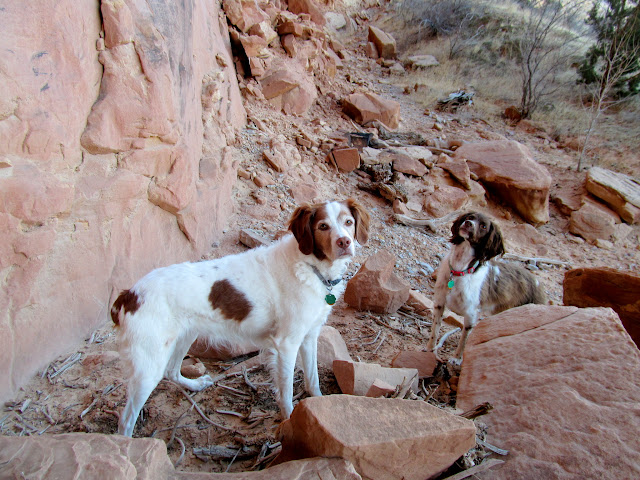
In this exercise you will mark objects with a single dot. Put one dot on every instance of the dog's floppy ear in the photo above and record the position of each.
(362, 220)
(456, 238)
(494, 244)
(300, 226)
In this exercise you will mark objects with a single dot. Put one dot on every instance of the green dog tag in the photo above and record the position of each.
(451, 283)
(330, 299)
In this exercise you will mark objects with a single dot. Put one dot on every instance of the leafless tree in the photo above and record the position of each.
(621, 54)
(545, 46)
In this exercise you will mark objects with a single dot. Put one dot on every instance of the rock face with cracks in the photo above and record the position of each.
(406, 439)
(562, 404)
(114, 142)
(90, 456)
(507, 168)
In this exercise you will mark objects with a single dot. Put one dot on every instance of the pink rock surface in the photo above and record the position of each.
(606, 287)
(409, 165)
(355, 378)
(509, 169)
(347, 159)
(331, 346)
(619, 191)
(380, 388)
(593, 221)
(376, 287)
(92, 456)
(126, 139)
(365, 107)
(384, 42)
(564, 386)
(385, 439)
(424, 362)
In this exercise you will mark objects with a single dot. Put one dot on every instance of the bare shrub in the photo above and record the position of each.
(545, 47)
(458, 20)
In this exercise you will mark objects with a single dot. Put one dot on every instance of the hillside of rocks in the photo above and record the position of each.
(161, 133)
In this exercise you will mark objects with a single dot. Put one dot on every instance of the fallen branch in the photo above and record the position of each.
(445, 336)
(372, 341)
(486, 465)
(195, 405)
(218, 451)
(534, 260)
(184, 449)
(477, 411)
(246, 379)
(430, 224)
(384, 337)
(438, 150)
(88, 409)
(493, 448)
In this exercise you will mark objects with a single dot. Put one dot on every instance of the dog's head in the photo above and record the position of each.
(328, 230)
(481, 232)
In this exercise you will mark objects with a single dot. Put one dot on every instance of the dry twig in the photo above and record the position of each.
(486, 465)
(477, 411)
(493, 448)
(195, 405)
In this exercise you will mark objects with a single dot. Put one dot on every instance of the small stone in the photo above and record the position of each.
(380, 388)
(424, 362)
(251, 239)
(355, 378)
(192, 368)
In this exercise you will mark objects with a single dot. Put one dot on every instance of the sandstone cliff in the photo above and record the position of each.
(116, 125)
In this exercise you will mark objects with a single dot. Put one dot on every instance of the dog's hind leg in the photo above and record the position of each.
(140, 386)
(173, 373)
(309, 358)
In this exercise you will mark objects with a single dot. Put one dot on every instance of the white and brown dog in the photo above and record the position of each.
(275, 298)
(470, 282)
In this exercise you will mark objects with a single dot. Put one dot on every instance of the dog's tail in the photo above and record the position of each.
(127, 302)
(538, 295)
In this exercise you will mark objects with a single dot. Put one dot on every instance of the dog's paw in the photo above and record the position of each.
(204, 382)
(456, 362)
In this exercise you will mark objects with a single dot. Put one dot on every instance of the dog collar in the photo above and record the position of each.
(461, 273)
(330, 298)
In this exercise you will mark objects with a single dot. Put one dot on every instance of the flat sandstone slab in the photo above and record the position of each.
(94, 456)
(565, 386)
(384, 438)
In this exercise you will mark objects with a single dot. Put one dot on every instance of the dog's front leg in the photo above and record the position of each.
(283, 369)
(438, 313)
(309, 357)
(470, 321)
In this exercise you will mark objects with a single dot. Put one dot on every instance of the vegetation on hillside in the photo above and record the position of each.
(544, 57)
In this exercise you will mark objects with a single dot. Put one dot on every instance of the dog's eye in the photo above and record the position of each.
(323, 226)
(483, 226)
(349, 222)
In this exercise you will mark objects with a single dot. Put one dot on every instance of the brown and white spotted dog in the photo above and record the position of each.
(275, 298)
(471, 283)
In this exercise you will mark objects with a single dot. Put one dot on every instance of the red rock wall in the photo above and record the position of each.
(115, 124)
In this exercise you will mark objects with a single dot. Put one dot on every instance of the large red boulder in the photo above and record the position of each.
(507, 169)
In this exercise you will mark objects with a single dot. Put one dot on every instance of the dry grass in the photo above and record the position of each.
(488, 66)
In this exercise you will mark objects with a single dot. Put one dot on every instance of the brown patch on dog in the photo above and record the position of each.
(362, 220)
(300, 226)
(322, 237)
(508, 286)
(231, 301)
(485, 237)
(128, 301)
